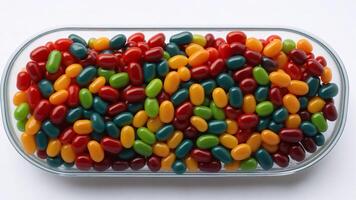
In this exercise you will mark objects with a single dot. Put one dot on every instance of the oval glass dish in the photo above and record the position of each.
(21, 57)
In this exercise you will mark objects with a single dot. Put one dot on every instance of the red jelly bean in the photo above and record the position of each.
(136, 37)
(190, 132)
(237, 48)
(180, 124)
(53, 77)
(184, 111)
(111, 145)
(107, 61)
(58, 114)
(41, 154)
(201, 155)
(40, 54)
(321, 60)
(103, 165)
(50, 46)
(67, 136)
(23, 81)
(134, 94)
(299, 57)
(210, 40)
(63, 44)
(154, 54)
(216, 67)
(83, 162)
(253, 58)
(284, 147)
(108, 93)
(247, 121)
(117, 108)
(310, 56)
(236, 36)
(273, 37)
(143, 46)
(42, 110)
(330, 112)
(33, 96)
(132, 54)
(90, 59)
(314, 67)
(281, 159)
(199, 73)
(242, 135)
(34, 71)
(291, 135)
(213, 54)
(218, 42)
(163, 96)
(73, 95)
(135, 74)
(79, 143)
(248, 85)
(293, 71)
(137, 163)
(304, 115)
(213, 166)
(225, 50)
(157, 40)
(67, 59)
(232, 113)
(154, 163)
(242, 74)
(275, 96)
(120, 165)
(309, 144)
(297, 153)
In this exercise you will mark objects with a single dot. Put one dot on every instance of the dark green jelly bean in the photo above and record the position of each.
(85, 98)
(203, 112)
(97, 122)
(261, 93)
(50, 129)
(74, 114)
(182, 38)
(275, 127)
(319, 139)
(54, 161)
(249, 164)
(207, 141)
(265, 108)
(162, 68)
(21, 125)
(123, 119)
(22, 111)
(146, 135)
(106, 73)
(319, 122)
(264, 159)
(142, 148)
(126, 154)
(153, 88)
(173, 49)
(179, 167)
(180, 96)
(225, 81)
(53, 61)
(288, 45)
(41, 140)
(78, 39)
(217, 112)
(221, 154)
(308, 128)
(313, 84)
(134, 107)
(68, 165)
(111, 129)
(96, 136)
(119, 80)
(151, 107)
(260, 75)
(149, 71)
(46, 88)
(235, 62)
(328, 91)
(235, 97)
(87, 113)
(208, 86)
(186, 84)
(263, 124)
(217, 126)
(166, 55)
(86, 75)
(303, 101)
(183, 148)
(165, 132)
(99, 105)
(280, 115)
(118, 41)
(78, 50)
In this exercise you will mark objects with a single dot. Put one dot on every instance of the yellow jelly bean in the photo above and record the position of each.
(98, 83)
(199, 123)
(315, 104)
(73, 70)
(270, 148)
(228, 141)
(177, 61)
(269, 137)
(59, 97)
(91, 42)
(220, 97)
(19, 98)
(241, 152)
(196, 94)
(140, 119)
(29, 143)
(171, 82)
(127, 136)
(305, 45)
(161, 149)
(53, 148)
(327, 75)
(232, 126)
(166, 111)
(101, 43)
(293, 121)
(192, 48)
(280, 78)
(192, 165)
(62, 83)
(175, 139)
(198, 58)
(199, 39)
(32, 126)
(273, 48)
(83, 127)
(153, 124)
(282, 60)
(298, 87)
(167, 162)
(291, 103)
(249, 104)
(254, 141)
(184, 73)
(96, 152)
(254, 44)
(232, 166)
(67, 153)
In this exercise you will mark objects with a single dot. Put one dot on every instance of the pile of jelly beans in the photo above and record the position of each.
(187, 103)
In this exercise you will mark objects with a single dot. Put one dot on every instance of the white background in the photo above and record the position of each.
(334, 21)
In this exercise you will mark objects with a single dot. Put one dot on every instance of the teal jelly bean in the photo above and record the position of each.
(118, 41)
(179, 167)
(217, 112)
(235, 62)
(146, 135)
(50, 129)
(235, 97)
(217, 126)
(280, 115)
(186, 84)
(166, 55)
(151, 107)
(303, 101)
(264, 108)
(249, 164)
(260, 75)
(21, 111)
(68, 165)
(96, 136)
(165, 132)
(328, 91)
(221, 154)
(142, 148)
(203, 112)
(274, 126)
(86, 75)
(105, 73)
(149, 71)
(183, 148)
(288, 45)
(85, 98)
(99, 105)
(74, 114)
(123, 119)
(172, 49)
(21, 125)
(261, 93)
(209, 86)
(87, 113)
(153, 88)
(264, 159)
(78, 50)
(54, 161)
(162, 68)
(119, 80)
(180, 96)
(78, 39)
(53, 61)
(313, 84)
(207, 141)
(308, 128)
(126, 154)
(182, 38)
(97, 122)
(319, 122)
(41, 140)
(45, 87)
(319, 139)
(135, 107)
(111, 129)
(225, 81)
(263, 124)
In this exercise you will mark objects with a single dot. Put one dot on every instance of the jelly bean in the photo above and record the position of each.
(192, 165)
(105, 73)
(161, 149)
(228, 141)
(177, 61)
(19, 98)
(53, 148)
(119, 80)
(32, 126)
(254, 141)
(173, 49)
(22, 111)
(218, 113)
(273, 48)
(314, 67)
(264, 108)
(235, 97)
(275, 126)
(58, 114)
(124, 118)
(41, 140)
(53, 62)
(263, 124)
(280, 79)
(154, 124)
(182, 38)
(207, 141)
(260, 75)
(200, 72)
(213, 166)
(67, 153)
(183, 148)
(203, 112)
(315, 104)
(184, 111)
(28, 143)
(74, 114)
(118, 41)
(298, 87)
(151, 107)
(86, 75)
(33, 96)
(297, 153)
(261, 93)
(193, 48)
(199, 39)
(54, 161)
(198, 58)
(153, 88)
(171, 82)
(140, 119)
(291, 103)
(288, 45)
(327, 91)
(83, 162)
(249, 104)
(241, 152)
(220, 98)
(83, 126)
(319, 139)
(326, 76)
(264, 159)
(224, 50)
(77, 38)
(23, 81)
(108, 93)
(199, 123)
(97, 84)
(175, 139)
(96, 152)
(165, 132)
(309, 145)
(293, 121)
(291, 135)
(217, 126)
(146, 135)
(281, 159)
(99, 105)
(254, 44)
(280, 115)
(330, 112)
(98, 123)
(299, 57)
(127, 136)
(154, 163)
(196, 94)
(236, 36)
(304, 45)
(225, 81)
(319, 122)
(40, 54)
(269, 137)
(142, 148)
(167, 162)
(313, 84)
(221, 154)
(85, 98)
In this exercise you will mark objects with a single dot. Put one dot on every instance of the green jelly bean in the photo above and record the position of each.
(166, 55)
(50, 129)
(319, 122)
(106, 73)
(179, 167)
(217, 126)
(53, 61)
(146, 135)
(86, 75)
(111, 129)
(96, 136)
(203, 112)
(207, 141)
(149, 71)
(151, 107)
(328, 91)
(45, 87)
(221, 154)
(264, 159)
(308, 128)
(264, 108)
(235, 97)
(142, 148)
(123, 119)
(126, 154)
(261, 93)
(78, 50)
(288, 45)
(274, 126)
(165, 132)
(235, 62)
(74, 114)
(313, 84)
(41, 140)
(209, 86)
(180, 96)
(21, 111)
(21, 125)
(260, 75)
(182, 38)
(172, 49)
(280, 115)
(263, 124)
(135, 107)
(319, 139)
(184, 148)
(153, 88)
(119, 80)
(303, 101)
(162, 68)
(225, 81)
(249, 164)
(87, 113)
(78, 39)
(85, 98)
(118, 41)
(99, 105)
(218, 113)
(97, 122)
(54, 161)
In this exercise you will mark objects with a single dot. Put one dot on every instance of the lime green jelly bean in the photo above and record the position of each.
(119, 80)
(151, 107)
(54, 61)
(22, 111)
(260, 75)
(146, 135)
(288, 45)
(207, 141)
(203, 112)
(264, 108)
(106, 73)
(142, 148)
(153, 88)
(319, 121)
(85, 98)
(249, 164)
